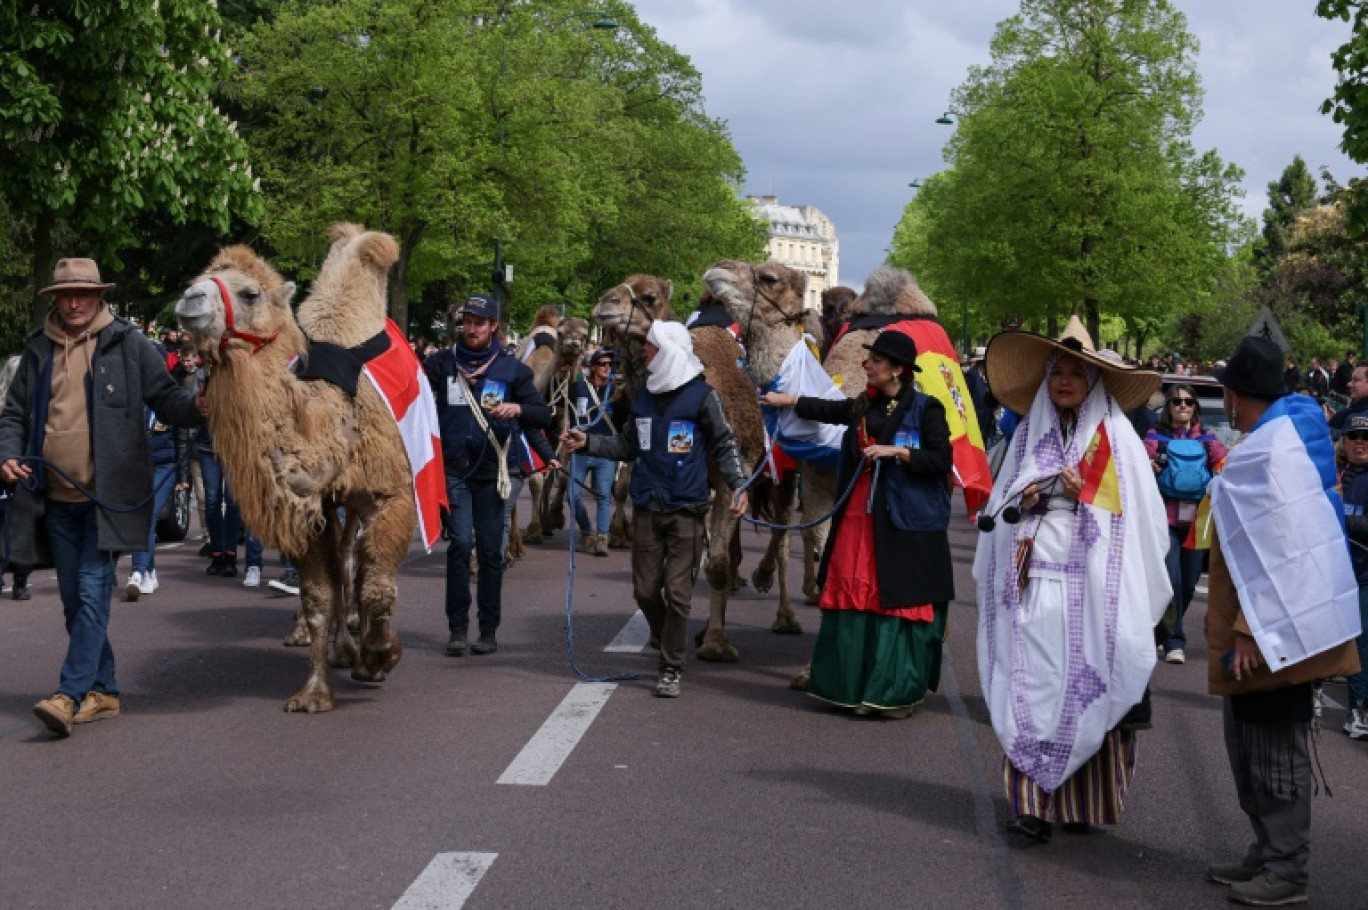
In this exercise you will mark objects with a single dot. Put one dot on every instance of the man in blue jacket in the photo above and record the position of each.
(77, 401)
(485, 395)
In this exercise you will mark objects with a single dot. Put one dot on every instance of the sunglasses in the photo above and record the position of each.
(604, 363)
(1356, 437)
(1183, 402)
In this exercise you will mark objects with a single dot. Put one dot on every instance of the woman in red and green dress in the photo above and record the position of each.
(886, 576)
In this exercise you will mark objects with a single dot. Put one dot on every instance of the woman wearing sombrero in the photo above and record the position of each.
(1071, 580)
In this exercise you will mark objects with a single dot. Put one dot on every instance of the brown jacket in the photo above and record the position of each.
(1224, 618)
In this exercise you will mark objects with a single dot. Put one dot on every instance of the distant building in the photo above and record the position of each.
(802, 238)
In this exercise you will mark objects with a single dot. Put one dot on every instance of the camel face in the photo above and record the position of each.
(574, 336)
(200, 312)
(756, 296)
(627, 310)
(203, 312)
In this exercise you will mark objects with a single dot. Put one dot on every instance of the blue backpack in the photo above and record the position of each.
(1185, 475)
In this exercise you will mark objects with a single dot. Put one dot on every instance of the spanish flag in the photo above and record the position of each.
(942, 379)
(1100, 485)
(1199, 535)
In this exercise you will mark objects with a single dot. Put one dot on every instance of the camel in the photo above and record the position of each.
(766, 300)
(554, 367)
(626, 312)
(295, 451)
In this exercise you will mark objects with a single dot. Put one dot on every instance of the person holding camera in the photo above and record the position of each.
(1185, 457)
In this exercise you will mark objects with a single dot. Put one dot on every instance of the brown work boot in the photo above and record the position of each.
(56, 713)
(601, 545)
(586, 543)
(1267, 889)
(97, 706)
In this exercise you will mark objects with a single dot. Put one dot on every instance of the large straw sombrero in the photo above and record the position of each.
(1015, 362)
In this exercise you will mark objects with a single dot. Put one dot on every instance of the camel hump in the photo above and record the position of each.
(376, 249)
(889, 291)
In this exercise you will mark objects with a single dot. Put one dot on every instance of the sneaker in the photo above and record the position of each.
(1175, 656)
(668, 685)
(287, 583)
(228, 568)
(149, 583)
(215, 566)
(456, 646)
(485, 645)
(252, 577)
(1267, 889)
(56, 713)
(1356, 727)
(1231, 873)
(97, 706)
(134, 586)
(21, 592)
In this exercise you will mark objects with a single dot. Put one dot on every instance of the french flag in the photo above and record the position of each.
(399, 378)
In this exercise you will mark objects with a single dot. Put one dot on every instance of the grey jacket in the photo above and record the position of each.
(127, 372)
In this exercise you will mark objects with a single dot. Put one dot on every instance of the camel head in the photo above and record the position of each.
(761, 298)
(836, 301)
(574, 336)
(348, 301)
(888, 292)
(627, 310)
(255, 311)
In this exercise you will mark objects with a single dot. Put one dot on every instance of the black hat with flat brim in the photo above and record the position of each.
(896, 346)
(1255, 369)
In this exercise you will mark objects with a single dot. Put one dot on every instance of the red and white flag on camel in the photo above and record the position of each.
(399, 378)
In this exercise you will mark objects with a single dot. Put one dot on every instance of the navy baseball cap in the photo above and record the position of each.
(603, 354)
(1356, 424)
(482, 305)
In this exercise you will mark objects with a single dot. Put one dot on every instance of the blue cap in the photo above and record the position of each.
(482, 305)
(602, 353)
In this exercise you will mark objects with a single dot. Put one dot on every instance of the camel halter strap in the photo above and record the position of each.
(790, 318)
(256, 341)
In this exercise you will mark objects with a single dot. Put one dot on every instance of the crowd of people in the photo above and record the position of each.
(1110, 499)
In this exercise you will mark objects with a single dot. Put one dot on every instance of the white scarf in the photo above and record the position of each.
(674, 364)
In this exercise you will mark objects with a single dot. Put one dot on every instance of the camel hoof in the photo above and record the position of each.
(531, 538)
(341, 661)
(362, 675)
(305, 702)
(619, 543)
(812, 599)
(299, 638)
(786, 625)
(800, 682)
(737, 583)
(762, 579)
(719, 652)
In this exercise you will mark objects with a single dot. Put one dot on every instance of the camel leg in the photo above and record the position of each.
(785, 621)
(348, 549)
(762, 579)
(515, 550)
(783, 495)
(380, 553)
(340, 564)
(619, 529)
(535, 533)
(722, 528)
(315, 594)
(738, 581)
(553, 518)
(819, 495)
(299, 636)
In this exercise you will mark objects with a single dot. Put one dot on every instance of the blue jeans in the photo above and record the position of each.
(254, 550)
(603, 471)
(1358, 683)
(476, 518)
(1184, 568)
(221, 511)
(163, 485)
(85, 580)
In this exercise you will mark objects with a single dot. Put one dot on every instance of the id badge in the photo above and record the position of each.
(681, 437)
(455, 394)
(643, 425)
(493, 393)
(908, 439)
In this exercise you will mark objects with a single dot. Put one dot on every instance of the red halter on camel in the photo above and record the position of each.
(256, 341)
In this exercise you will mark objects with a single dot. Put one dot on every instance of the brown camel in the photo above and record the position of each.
(554, 367)
(626, 312)
(295, 451)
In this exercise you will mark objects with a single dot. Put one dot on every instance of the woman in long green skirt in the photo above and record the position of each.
(886, 576)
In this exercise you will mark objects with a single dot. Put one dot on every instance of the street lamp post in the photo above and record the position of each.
(602, 22)
(945, 120)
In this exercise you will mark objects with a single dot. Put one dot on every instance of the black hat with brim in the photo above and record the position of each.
(896, 346)
(1255, 369)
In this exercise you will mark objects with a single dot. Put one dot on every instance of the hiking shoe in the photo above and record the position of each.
(134, 586)
(1175, 656)
(97, 706)
(1034, 830)
(252, 577)
(456, 645)
(601, 545)
(1231, 873)
(149, 583)
(287, 583)
(21, 591)
(668, 684)
(215, 566)
(56, 713)
(485, 645)
(1356, 727)
(1267, 889)
(586, 543)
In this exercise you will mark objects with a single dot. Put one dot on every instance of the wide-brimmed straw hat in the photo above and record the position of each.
(1015, 362)
(76, 274)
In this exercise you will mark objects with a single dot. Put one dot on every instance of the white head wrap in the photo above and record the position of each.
(675, 364)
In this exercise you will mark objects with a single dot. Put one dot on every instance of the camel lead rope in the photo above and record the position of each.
(504, 485)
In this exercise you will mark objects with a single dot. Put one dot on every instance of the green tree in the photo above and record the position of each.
(1288, 197)
(106, 115)
(1073, 186)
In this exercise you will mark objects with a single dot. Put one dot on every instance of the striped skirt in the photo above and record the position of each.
(1096, 793)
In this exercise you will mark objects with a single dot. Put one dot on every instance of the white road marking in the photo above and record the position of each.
(548, 749)
(633, 637)
(1201, 589)
(447, 882)
(1329, 702)
(170, 546)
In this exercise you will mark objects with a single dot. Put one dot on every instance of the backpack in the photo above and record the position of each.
(1185, 475)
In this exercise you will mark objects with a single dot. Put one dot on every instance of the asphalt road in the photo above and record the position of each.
(740, 794)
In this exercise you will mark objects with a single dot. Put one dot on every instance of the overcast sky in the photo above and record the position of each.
(834, 104)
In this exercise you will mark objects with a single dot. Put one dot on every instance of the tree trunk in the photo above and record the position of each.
(399, 296)
(42, 264)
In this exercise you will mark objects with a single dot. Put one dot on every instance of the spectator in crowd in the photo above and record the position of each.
(886, 577)
(1059, 611)
(18, 571)
(170, 472)
(1354, 489)
(77, 402)
(1340, 376)
(677, 424)
(484, 397)
(1292, 376)
(592, 398)
(984, 403)
(221, 511)
(1318, 379)
(1358, 398)
(1184, 457)
(1252, 628)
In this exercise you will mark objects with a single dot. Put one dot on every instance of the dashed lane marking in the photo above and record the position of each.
(633, 637)
(447, 882)
(548, 749)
